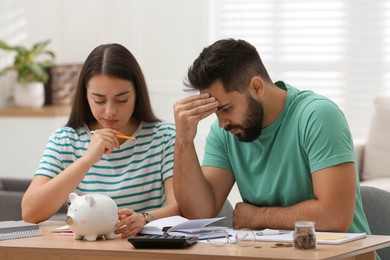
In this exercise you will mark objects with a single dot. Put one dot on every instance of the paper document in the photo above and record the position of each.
(331, 238)
(62, 229)
(177, 225)
(269, 232)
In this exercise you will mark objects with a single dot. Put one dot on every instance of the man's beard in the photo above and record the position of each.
(251, 128)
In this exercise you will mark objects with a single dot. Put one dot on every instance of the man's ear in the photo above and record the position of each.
(256, 87)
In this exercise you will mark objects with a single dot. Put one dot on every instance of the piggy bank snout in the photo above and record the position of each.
(69, 220)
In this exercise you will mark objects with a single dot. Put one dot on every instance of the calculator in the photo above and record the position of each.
(162, 241)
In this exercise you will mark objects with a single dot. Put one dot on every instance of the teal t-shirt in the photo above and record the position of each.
(310, 134)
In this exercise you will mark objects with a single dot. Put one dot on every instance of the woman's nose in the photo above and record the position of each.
(110, 109)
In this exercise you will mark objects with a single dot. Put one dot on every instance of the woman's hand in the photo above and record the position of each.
(130, 223)
(103, 141)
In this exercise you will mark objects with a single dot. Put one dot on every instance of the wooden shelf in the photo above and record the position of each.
(44, 111)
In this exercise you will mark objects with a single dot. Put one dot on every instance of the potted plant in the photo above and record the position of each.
(31, 72)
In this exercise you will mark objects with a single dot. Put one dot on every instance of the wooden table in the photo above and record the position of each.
(53, 246)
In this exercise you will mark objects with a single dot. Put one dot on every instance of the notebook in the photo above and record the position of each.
(327, 238)
(18, 229)
(179, 226)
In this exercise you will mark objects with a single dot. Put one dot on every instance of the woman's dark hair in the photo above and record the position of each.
(116, 61)
(234, 62)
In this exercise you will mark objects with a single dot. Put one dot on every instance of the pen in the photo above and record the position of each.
(121, 136)
(271, 232)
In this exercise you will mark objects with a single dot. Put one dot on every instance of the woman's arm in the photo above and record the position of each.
(45, 196)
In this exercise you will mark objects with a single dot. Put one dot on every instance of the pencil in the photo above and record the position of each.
(122, 136)
(125, 137)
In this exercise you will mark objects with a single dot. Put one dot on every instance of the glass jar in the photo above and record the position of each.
(305, 235)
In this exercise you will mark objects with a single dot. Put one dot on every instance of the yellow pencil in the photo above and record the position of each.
(122, 136)
(125, 137)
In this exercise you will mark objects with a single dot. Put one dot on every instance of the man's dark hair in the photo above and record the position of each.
(234, 62)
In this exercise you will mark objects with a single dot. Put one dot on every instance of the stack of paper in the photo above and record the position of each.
(177, 225)
(62, 229)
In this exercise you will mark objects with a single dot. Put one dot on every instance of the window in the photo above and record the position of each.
(338, 48)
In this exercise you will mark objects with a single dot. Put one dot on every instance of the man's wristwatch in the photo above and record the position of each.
(148, 217)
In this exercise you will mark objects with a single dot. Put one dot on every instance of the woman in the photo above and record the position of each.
(86, 156)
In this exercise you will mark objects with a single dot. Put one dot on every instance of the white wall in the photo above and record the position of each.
(22, 142)
(165, 37)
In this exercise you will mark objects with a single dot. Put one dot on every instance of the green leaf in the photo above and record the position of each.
(39, 47)
(26, 64)
(46, 64)
(50, 53)
(5, 46)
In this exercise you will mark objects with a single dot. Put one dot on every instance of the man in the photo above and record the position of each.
(290, 151)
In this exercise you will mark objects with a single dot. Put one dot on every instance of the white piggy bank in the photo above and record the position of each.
(92, 215)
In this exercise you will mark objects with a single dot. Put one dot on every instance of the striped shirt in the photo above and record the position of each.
(133, 175)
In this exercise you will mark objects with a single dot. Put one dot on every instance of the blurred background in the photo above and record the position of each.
(338, 48)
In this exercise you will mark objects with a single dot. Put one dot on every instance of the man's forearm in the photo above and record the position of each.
(192, 191)
(326, 219)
